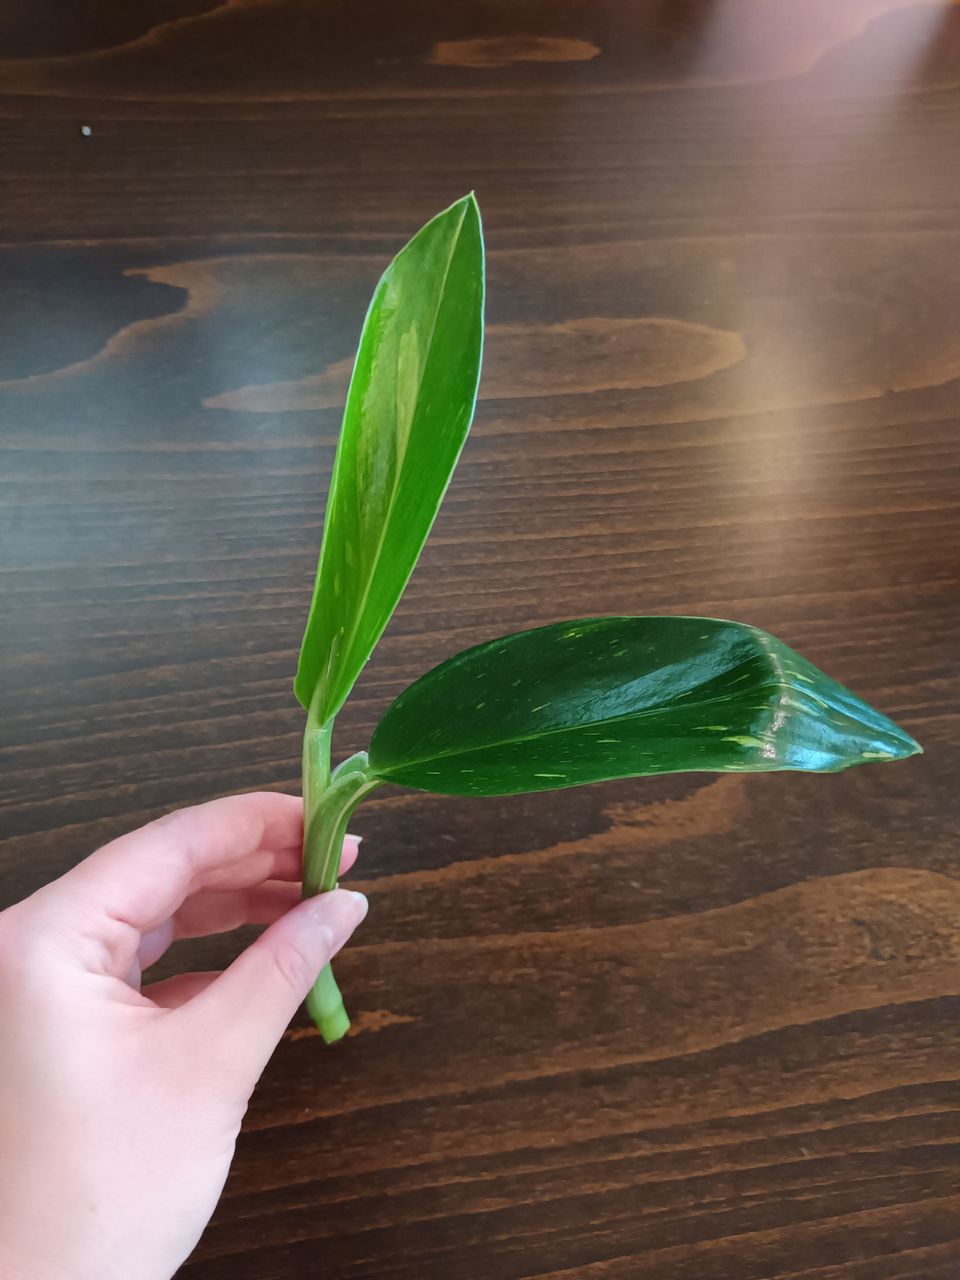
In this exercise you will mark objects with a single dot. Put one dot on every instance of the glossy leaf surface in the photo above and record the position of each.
(607, 698)
(407, 414)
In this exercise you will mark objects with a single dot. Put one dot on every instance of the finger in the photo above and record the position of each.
(171, 993)
(153, 944)
(133, 885)
(286, 864)
(210, 912)
(349, 853)
(207, 913)
(241, 1016)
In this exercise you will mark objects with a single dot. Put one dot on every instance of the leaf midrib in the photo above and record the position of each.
(549, 733)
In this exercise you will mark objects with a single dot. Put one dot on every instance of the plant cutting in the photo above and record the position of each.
(587, 700)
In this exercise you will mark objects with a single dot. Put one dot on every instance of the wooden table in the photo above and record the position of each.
(690, 1028)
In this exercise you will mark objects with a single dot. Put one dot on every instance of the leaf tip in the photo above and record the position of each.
(889, 740)
(881, 739)
(902, 745)
(467, 206)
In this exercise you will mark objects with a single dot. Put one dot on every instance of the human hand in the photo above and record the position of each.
(120, 1105)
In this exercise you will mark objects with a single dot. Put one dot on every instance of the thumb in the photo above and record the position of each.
(244, 1012)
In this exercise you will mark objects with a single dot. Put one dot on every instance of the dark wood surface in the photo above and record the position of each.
(679, 1029)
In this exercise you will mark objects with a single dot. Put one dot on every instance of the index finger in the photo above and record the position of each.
(144, 876)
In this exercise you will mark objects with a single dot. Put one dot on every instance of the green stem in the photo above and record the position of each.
(316, 763)
(325, 1006)
(328, 803)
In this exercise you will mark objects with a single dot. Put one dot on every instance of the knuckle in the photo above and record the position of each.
(170, 821)
(296, 966)
(25, 952)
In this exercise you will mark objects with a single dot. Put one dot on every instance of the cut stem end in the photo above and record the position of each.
(325, 1006)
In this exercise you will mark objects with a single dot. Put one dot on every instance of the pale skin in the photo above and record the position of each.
(121, 1099)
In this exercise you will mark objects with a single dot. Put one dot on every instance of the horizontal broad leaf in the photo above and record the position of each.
(407, 414)
(604, 698)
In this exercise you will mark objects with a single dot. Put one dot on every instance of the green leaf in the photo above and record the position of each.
(604, 698)
(408, 411)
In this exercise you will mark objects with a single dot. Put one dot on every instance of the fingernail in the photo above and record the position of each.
(357, 840)
(361, 902)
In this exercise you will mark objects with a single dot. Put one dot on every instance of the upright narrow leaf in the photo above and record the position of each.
(608, 698)
(408, 411)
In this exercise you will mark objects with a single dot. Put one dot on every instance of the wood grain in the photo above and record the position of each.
(675, 1029)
